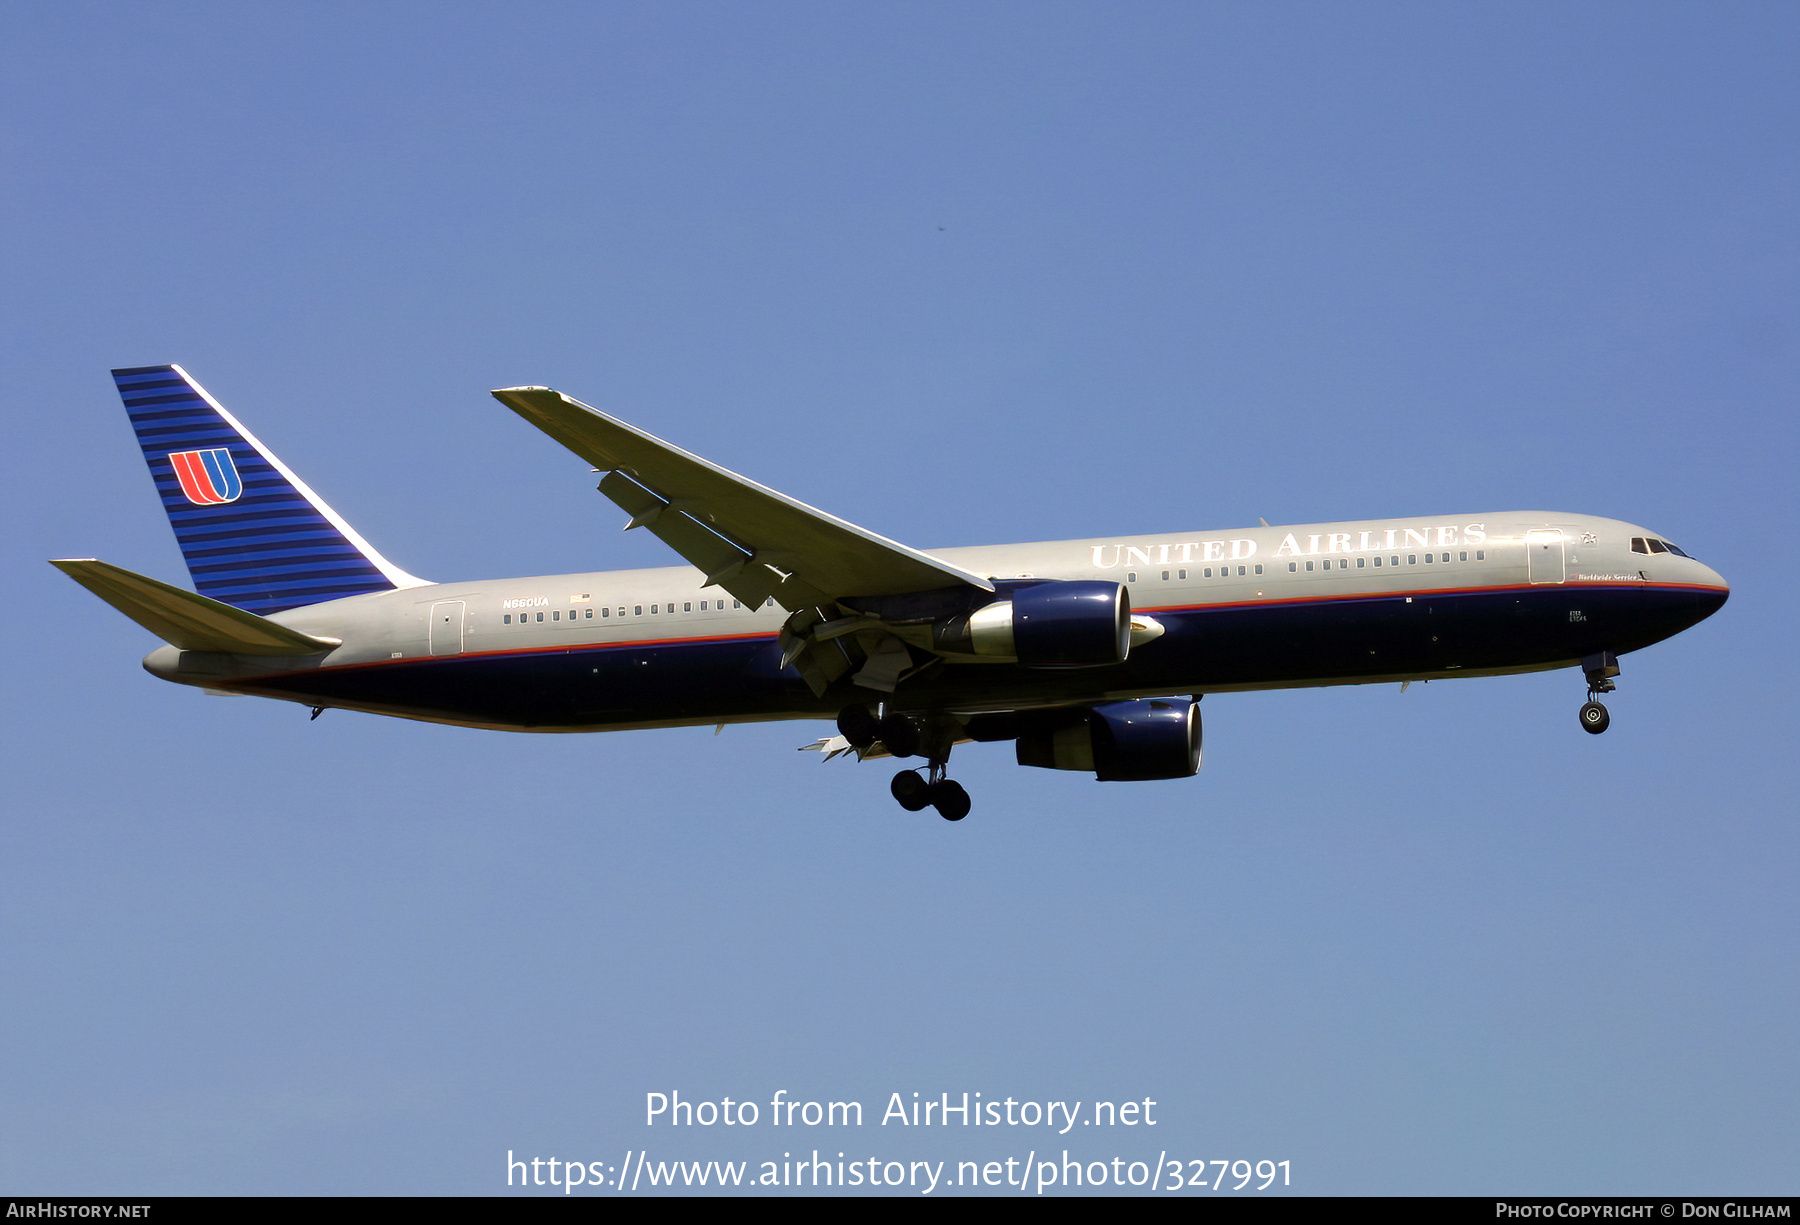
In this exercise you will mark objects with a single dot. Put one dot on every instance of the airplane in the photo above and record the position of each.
(1089, 655)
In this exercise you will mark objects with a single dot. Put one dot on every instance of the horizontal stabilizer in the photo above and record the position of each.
(188, 621)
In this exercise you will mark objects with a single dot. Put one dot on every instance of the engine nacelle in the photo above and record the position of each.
(1149, 738)
(1076, 624)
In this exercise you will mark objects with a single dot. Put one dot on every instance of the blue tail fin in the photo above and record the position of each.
(253, 534)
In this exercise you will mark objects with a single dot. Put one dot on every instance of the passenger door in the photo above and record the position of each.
(1544, 555)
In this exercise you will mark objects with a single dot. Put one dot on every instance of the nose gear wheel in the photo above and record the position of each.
(1599, 670)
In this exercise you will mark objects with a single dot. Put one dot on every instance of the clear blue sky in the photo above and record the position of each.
(961, 274)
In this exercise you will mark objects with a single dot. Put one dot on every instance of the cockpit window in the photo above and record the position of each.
(1649, 544)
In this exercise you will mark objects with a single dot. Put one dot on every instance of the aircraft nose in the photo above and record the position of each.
(1712, 601)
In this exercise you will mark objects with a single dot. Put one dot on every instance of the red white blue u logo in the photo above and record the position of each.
(207, 477)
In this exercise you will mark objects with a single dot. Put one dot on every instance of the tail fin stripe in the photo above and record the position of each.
(276, 518)
(300, 568)
(283, 551)
(147, 402)
(275, 587)
(252, 541)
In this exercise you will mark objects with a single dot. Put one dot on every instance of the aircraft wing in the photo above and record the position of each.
(746, 538)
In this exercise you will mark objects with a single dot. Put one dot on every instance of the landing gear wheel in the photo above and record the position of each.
(913, 792)
(858, 726)
(900, 735)
(1594, 718)
(949, 798)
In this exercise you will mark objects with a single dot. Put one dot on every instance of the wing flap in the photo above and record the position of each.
(801, 556)
(723, 561)
(186, 620)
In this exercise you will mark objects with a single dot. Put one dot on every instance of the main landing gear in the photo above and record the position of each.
(1600, 670)
(903, 738)
(944, 794)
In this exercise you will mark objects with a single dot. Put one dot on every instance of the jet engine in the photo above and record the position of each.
(1074, 624)
(1149, 738)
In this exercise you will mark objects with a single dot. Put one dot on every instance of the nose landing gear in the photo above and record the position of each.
(1600, 670)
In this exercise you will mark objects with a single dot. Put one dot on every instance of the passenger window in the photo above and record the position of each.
(1259, 568)
(1480, 554)
(506, 620)
(1429, 559)
(737, 603)
(1412, 559)
(1181, 574)
(702, 605)
(606, 612)
(1207, 573)
(556, 616)
(1394, 560)
(1463, 556)
(1131, 577)
(687, 607)
(1240, 572)
(1361, 562)
(1378, 561)
(1343, 563)
(1675, 550)
(1293, 567)
(637, 610)
(653, 609)
(1309, 565)
(590, 615)
(540, 616)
